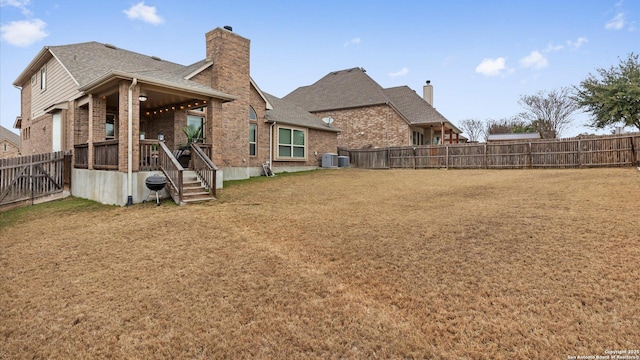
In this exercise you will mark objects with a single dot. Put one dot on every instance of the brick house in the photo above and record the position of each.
(371, 116)
(111, 106)
(9, 143)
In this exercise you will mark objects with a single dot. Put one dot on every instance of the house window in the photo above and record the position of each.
(111, 127)
(43, 78)
(418, 138)
(195, 125)
(292, 144)
(4, 147)
(252, 114)
(253, 139)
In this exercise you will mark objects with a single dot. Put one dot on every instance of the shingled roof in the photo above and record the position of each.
(285, 112)
(413, 107)
(90, 62)
(339, 90)
(9, 135)
(353, 88)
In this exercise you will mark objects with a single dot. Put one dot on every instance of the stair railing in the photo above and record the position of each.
(204, 168)
(172, 170)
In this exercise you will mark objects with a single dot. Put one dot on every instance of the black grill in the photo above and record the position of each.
(155, 183)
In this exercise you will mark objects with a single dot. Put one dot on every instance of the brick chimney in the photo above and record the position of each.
(231, 74)
(427, 92)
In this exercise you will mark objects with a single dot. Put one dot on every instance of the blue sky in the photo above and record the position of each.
(481, 56)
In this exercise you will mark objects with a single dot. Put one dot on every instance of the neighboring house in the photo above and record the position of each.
(371, 116)
(513, 137)
(9, 143)
(110, 105)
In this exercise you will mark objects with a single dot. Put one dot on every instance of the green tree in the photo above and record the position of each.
(613, 97)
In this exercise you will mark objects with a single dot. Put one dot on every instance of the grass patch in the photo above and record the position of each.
(52, 208)
(335, 264)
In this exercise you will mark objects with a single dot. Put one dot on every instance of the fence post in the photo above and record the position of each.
(633, 152)
(388, 157)
(414, 158)
(447, 156)
(486, 165)
(579, 154)
(530, 157)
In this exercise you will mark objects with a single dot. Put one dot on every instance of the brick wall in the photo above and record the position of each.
(369, 127)
(318, 143)
(40, 138)
(25, 113)
(123, 126)
(262, 153)
(81, 128)
(11, 149)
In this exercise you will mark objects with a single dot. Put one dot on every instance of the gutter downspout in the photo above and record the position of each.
(130, 144)
(271, 145)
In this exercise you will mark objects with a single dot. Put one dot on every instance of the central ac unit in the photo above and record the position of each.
(329, 160)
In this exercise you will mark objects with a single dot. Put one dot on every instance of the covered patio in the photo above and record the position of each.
(167, 131)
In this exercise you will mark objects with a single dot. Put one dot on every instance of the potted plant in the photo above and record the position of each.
(193, 134)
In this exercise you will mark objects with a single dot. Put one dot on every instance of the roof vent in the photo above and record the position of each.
(110, 46)
(227, 27)
(363, 69)
(156, 58)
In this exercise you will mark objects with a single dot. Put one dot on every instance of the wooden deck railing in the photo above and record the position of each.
(105, 155)
(172, 171)
(81, 156)
(204, 167)
(149, 155)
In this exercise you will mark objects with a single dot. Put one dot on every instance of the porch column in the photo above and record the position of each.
(123, 127)
(450, 136)
(97, 124)
(457, 138)
(442, 133)
(90, 137)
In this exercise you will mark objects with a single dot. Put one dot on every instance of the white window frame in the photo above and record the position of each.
(43, 78)
(277, 144)
(115, 126)
(253, 128)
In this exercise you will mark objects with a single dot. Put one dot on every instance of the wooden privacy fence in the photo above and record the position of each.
(602, 151)
(31, 177)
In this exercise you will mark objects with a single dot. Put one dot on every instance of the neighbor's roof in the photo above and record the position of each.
(352, 88)
(516, 136)
(339, 90)
(9, 135)
(413, 107)
(90, 63)
(285, 112)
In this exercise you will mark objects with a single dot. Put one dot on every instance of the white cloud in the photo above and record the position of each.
(402, 72)
(578, 43)
(24, 33)
(552, 47)
(616, 23)
(491, 67)
(20, 4)
(148, 14)
(535, 60)
(354, 41)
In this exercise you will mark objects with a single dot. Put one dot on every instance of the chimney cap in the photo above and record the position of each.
(227, 27)
(428, 82)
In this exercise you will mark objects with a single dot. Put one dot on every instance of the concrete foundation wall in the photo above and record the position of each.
(110, 187)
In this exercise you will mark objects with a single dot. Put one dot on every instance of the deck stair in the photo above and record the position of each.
(193, 191)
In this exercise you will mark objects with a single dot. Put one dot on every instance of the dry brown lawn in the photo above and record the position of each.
(334, 264)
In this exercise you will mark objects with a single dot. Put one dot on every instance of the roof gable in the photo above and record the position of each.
(6, 134)
(413, 107)
(339, 90)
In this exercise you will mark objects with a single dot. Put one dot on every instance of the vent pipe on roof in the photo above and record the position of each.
(227, 27)
(427, 92)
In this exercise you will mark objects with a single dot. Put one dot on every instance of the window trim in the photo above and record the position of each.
(277, 144)
(255, 143)
(43, 78)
